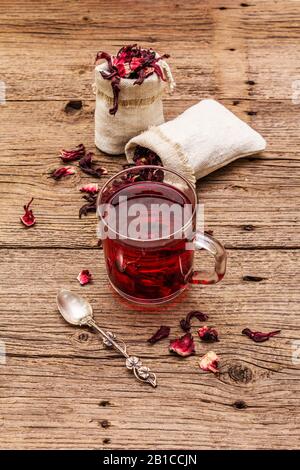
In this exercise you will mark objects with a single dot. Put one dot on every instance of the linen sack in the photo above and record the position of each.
(202, 139)
(140, 106)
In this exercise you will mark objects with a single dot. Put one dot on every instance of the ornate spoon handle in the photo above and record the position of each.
(142, 373)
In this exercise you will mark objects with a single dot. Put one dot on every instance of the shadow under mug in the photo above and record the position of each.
(147, 223)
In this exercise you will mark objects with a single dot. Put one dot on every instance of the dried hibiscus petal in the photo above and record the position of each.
(258, 336)
(28, 218)
(62, 172)
(162, 332)
(183, 346)
(84, 277)
(209, 362)
(92, 188)
(131, 62)
(208, 334)
(145, 156)
(185, 323)
(87, 166)
(72, 155)
(90, 206)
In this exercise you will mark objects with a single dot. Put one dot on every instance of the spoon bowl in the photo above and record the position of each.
(78, 311)
(74, 309)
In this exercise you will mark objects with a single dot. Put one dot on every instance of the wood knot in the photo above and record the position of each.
(106, 440)
(83, 337)
(250, 82)
(240, 373)
(105, 423)
(252, 113)
(73, 106)
(104, 403)
(239, 405)
(248, 228)
(235, 102)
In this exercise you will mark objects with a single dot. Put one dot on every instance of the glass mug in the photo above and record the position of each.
(148, 230)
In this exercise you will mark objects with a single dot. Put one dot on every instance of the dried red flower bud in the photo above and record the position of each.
(208, 334)
(162, 332)
(131, 62)
(104, 55)
(84, 277)
(72, 155)
(90, 188)
(88, 167)
(62, 172)
(209, 362)
(185, 323)
(144, 156)
(183, 346)
(135, 63)
(90, 206)
(258, 336)
(28, 218)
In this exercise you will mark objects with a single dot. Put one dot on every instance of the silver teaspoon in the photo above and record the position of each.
(78, 311)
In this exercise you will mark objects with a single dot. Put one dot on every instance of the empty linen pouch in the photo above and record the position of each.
(139, 106)
(202, 139)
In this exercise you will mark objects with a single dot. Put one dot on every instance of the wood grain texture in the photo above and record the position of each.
(56, 376)
(59, 387)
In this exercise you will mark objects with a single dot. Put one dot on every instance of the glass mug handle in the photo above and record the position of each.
(214, 247)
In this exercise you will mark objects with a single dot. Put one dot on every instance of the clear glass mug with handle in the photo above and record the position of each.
(148, 230)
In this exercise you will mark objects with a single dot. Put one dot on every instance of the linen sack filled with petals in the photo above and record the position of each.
(202, 139)
(138, 107)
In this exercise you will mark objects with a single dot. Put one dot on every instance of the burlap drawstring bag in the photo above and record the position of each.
(202, 139)
(140, 106)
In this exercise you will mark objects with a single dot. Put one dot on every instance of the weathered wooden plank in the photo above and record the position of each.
(254, 193)
(272, 181)
(215, 50)
(46, 126)
(59, 387)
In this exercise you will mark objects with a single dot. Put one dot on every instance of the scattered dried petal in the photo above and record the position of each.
(28, 218)
(183, 346)
(209, 362)
(185, 323)
(62, 172)
(72, 155)
(208, 334)
(88, 167)
(258, 336)
(90, 188)
(84, 277)
(90, 206)
(162, 332)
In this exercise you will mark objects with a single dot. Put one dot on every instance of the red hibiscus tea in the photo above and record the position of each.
(147, 222)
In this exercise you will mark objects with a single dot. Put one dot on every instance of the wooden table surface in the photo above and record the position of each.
(59, 388)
